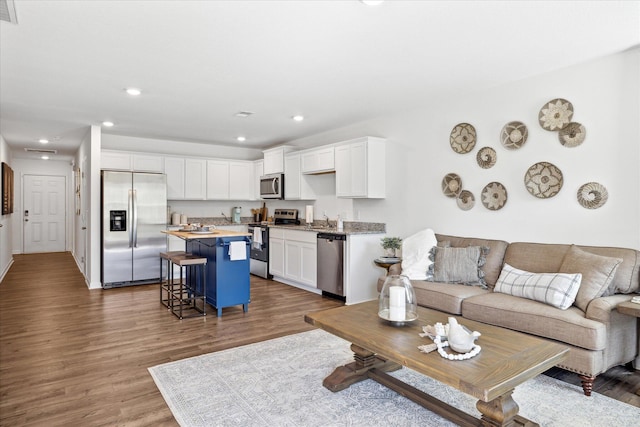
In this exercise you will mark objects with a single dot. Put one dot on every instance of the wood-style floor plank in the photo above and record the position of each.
(73, 356)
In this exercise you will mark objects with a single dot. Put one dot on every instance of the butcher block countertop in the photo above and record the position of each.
(214, 234)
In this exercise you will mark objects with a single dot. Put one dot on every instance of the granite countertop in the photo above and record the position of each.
(350, 227)
(215, 234)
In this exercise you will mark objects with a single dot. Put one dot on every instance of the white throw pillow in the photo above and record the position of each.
(415, 254)
(556, 289)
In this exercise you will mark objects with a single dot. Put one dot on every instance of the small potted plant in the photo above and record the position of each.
(391, 245)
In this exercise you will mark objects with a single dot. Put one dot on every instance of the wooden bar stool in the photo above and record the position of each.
(190, 294)
(167, 286)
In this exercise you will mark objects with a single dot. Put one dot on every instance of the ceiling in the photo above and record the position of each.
(65, 64)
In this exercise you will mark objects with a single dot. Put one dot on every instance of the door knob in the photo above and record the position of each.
(26, 220)
(84, 228)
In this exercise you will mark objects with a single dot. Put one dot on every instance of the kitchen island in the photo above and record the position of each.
(227, 268)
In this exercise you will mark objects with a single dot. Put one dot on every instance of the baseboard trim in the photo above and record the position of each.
(6, 270)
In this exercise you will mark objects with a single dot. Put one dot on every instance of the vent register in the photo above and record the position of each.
(8, 11)
(40, 150)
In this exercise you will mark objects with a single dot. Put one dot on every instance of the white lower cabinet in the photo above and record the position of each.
(293, 256)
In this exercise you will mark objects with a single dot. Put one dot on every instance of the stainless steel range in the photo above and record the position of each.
(259, 254)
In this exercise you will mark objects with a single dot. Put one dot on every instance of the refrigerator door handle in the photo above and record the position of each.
(130, 219)
(135, 219)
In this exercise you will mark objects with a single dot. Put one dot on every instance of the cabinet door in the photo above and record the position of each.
(115, 161)
(174, 170)
(258, 171)
(147, 163)
(292, 177)
(240, 180)
(359, 169)
(195, 174)
(343, 171)
(217, 180)
(308, 264)
(293, 260)
(274, 161)
(276, 257)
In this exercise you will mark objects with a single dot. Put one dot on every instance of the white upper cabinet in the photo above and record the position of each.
(217, 179)
(174, 170)
(126, 161)
(147, 163)
(320, 160)
(296, 186)
(361, 168)
(115, 160)
(241, 183)
(195, 179)
(230, 180)
(274, 159)
(186, 178)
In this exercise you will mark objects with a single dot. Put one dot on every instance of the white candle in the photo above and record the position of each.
(397, 311)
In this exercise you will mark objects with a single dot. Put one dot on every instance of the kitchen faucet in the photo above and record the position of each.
(225, 217)
(327, 218)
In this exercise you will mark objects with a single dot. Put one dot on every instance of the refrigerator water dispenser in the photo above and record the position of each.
(118, 220)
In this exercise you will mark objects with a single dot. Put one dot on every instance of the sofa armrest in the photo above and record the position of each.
(600, 308)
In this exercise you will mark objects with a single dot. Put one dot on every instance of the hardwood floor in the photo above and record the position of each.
(74, 357)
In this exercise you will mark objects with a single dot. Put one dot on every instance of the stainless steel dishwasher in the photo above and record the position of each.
(330, 263)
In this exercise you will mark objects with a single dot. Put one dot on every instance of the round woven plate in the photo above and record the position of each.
(451, 185)
(555, 114)
(466, 200)
(514, 135)
(494, 196)
(486, 157)
(543, 180)
(592, 195)
(572, 135)
(463, 138)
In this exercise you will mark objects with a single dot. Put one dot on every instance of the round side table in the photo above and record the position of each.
(386, 263)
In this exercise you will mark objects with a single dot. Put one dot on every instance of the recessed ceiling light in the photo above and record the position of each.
(133, 91)
(243, 114)
(371, 2)
(241, 139)
(298, 118)
(45, 157)
(43, 141)
(107, 124)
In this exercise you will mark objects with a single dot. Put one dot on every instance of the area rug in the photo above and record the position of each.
(279, 383)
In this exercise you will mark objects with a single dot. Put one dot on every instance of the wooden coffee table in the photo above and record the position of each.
(507, 359)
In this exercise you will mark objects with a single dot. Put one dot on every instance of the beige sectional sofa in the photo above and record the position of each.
(598, 337)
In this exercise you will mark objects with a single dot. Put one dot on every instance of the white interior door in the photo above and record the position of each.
(44, 213)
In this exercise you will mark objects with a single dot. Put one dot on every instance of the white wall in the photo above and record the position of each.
(606, 97)
(6, 231)
(22, 167)
(149, 145)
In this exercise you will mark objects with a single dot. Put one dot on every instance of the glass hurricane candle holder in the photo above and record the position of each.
(397, 302)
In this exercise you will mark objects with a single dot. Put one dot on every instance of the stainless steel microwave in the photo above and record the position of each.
(272, 186)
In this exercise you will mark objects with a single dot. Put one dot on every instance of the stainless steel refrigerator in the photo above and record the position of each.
(134, 213)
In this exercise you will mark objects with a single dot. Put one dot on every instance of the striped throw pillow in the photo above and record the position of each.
(556, 289)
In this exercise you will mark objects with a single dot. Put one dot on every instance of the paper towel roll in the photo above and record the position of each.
(175, 219)
(183, 219)
(308, 214)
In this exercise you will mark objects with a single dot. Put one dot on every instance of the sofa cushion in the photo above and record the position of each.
(569, 326)
(493, 264)
(457, 265)
(445, 297)
(415, 254)
(556, 289)
(545, 257)
(597, 273)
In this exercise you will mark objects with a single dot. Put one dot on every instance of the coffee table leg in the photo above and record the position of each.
(364, 360)
(502, 411)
